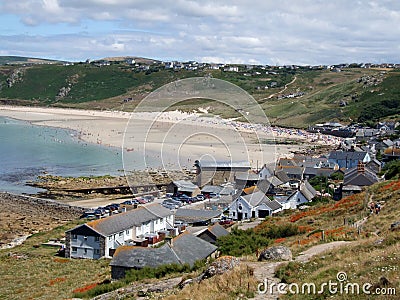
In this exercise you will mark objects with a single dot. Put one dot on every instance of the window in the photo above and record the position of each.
(97, 239)
(121, 234)
(97, 251)
(245, 215)
(74, 249)
(85, 251)
(74, 237)
(127, 231)
(233, 213)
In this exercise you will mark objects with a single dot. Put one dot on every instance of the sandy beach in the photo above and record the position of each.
(173, 138)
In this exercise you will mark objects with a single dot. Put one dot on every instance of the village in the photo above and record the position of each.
(182, 221)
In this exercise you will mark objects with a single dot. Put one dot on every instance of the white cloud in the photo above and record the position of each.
(285, 32)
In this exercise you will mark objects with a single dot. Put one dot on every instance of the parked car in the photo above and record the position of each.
(214, 195)
(131, 202)
(149, 198)
(226, 222)
(200, 197)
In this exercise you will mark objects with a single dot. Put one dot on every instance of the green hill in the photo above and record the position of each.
(295, 97)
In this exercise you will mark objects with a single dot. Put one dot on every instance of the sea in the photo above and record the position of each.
(28, 151)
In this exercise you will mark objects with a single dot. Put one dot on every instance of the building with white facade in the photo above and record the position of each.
(100, 238)
(255, 205)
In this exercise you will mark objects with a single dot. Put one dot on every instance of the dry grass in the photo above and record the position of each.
(375, 255)
(33, 271)
(238, 283)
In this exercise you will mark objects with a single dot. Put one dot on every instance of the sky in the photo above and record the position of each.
(284, 32)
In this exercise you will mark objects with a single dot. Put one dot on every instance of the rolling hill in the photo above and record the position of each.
(290, 96)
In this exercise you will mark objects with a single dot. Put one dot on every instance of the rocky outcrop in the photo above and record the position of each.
(276, 253)
(15, 77)
(218, 267)
(221, 266)
(22, 216)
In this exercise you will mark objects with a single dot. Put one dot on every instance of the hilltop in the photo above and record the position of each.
(293, 96)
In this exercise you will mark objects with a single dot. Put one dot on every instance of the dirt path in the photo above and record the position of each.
(265, 271)
(281, 91)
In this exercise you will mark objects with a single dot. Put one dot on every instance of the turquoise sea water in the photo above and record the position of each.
(27, 151)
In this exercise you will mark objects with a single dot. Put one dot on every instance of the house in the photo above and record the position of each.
(359, 176)
(348, 159)
(227, 190)
(391, 153)
(364, 134)
(208, 190)
(245, 179)
(183, 187)
(183, 249)
(310, 172)
(255, 205)
(212, 233)
(293, 172)
(265, 172)
(219, 172)
(269, 185)
(100, 238)
(374, 165)
(304, 194)
(196, 216)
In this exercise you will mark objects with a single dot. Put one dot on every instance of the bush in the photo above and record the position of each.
(242, 242)
(392, 169)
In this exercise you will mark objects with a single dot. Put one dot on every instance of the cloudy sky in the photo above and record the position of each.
(307, 32)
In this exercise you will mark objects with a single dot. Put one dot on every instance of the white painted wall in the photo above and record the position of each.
(86, 247)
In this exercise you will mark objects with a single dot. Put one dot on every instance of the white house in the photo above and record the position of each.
(304, 194)
(100, 238)
(255, 205)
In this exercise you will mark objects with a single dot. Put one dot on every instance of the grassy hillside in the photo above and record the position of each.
(290, 97)
(372, 257)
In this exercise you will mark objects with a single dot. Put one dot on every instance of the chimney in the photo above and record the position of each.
(360, 167)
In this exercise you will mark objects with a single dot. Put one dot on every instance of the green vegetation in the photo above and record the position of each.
(355, 94)
(391, 170)
(246, 242)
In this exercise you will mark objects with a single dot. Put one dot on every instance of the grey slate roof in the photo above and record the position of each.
(256, 198)
(275, 181)
(319, 171)
(349, 155)
(129, 219)
(190, 249)
(308, 191)
(139, 257)
(353, 177)
(185, 186)
(282, 176)
(272, 205)
(195, 215)
(186, 248)
(211, 189)
(218, 231)
(246, 176)
(225, 164)
(227, 190)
